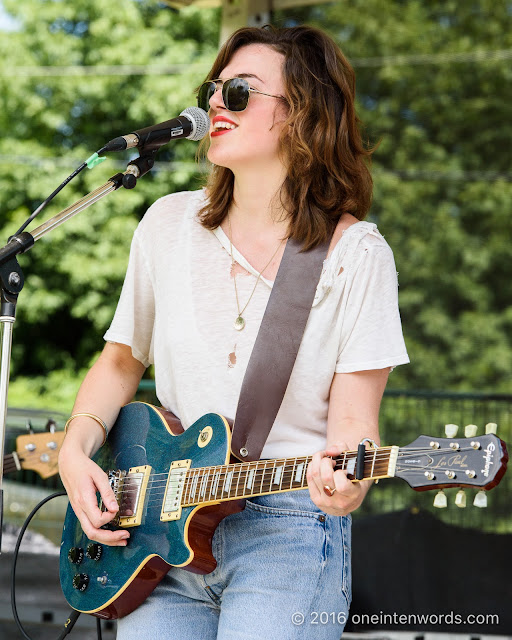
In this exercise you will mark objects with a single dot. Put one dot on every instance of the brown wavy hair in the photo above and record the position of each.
(327, 162)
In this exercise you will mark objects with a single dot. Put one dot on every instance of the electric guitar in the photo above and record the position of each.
(35, 452)
(174, 487)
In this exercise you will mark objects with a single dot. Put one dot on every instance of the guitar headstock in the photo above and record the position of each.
(478, 461)
(39, 452)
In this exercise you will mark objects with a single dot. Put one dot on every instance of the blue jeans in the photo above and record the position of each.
(283, 572)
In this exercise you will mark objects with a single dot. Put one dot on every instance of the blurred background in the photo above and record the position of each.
(434, 91)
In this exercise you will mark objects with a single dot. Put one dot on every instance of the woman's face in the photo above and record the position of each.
(253, 143)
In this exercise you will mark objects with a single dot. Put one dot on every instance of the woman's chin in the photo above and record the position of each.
(220, 158)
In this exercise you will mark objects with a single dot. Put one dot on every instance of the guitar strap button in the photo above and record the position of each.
(243, 452)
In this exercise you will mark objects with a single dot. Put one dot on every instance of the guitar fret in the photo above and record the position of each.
(304, 473)
(373, 462)
(204, 483)
(227, 481)
(292, 474)
(186, 491)
(272, 474)
(250, 478)
(299, 472)
(195, 481)
(278, 475)
(215, 483)
(263, 476)
(238, 479)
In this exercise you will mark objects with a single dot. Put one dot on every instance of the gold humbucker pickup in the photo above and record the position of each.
(171, 507)
(134, 495)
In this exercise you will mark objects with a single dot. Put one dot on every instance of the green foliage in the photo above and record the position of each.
(60, 101)
(441, 168)
(442, 174)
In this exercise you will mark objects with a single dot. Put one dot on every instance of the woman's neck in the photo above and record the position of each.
(256, 207)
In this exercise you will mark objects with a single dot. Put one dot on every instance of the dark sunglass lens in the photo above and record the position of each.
(206, 91)
(235, 93)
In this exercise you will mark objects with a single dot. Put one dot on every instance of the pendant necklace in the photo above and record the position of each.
(240, 322)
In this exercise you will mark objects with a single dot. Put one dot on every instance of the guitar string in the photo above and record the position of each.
(369, 458)
(234, 491)
(220, 479)
(266, 485)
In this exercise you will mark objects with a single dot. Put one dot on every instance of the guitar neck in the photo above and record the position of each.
(263, 477)
(11, 463)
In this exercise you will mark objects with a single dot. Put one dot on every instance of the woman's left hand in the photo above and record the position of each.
(331, 490)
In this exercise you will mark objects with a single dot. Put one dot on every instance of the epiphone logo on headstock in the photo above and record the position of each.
(488, 458)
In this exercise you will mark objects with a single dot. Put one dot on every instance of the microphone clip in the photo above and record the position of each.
(139, 167)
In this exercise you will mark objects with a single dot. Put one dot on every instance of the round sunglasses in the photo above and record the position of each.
(235, 93)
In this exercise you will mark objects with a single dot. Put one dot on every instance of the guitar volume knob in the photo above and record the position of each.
(94, 551)
(75, 555)
(80, 581)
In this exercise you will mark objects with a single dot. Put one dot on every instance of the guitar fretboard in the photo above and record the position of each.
(10, 463)
(246, 479)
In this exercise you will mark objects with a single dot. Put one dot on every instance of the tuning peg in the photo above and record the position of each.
(491, 427)
(51, 425)
(470, 430)
(28, 426)
(451, 430)
(480, 500)
(440, 501)
(460, 499)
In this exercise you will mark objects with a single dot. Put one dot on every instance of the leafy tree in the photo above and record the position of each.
(434, 96)
(66, 91)
(431, 92)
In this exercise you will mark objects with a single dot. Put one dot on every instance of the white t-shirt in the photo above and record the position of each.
(177, 311)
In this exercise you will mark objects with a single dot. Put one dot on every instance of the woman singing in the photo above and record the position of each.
(287, 162)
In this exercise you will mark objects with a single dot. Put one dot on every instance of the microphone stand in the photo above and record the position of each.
(12, 280)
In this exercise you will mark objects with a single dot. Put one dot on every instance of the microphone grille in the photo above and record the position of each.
(199, 119)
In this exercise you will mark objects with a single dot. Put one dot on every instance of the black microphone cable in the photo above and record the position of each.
(73, 617)
(90, 163)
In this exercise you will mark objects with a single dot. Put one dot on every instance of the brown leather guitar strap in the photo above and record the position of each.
(276, 348)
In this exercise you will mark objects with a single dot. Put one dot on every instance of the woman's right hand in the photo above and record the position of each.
(82, 478)
(110, 384)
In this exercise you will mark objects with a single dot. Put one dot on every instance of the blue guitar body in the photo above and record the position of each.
(175, 486)
(110, 582)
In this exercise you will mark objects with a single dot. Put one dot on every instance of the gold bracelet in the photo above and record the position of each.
(89, 415)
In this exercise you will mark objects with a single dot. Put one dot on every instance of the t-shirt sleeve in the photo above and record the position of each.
(133, 322)
(371, 334)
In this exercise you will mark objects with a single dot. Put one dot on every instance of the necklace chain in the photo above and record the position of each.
(240, 322)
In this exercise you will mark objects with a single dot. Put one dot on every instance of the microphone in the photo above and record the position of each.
(193, 123)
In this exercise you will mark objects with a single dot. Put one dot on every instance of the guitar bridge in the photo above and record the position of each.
(133, 496)
(130, 491)
(115, 479)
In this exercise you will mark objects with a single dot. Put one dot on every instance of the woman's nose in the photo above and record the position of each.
(216, 100)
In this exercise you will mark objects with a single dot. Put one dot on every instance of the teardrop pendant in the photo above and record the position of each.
(239, 323)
